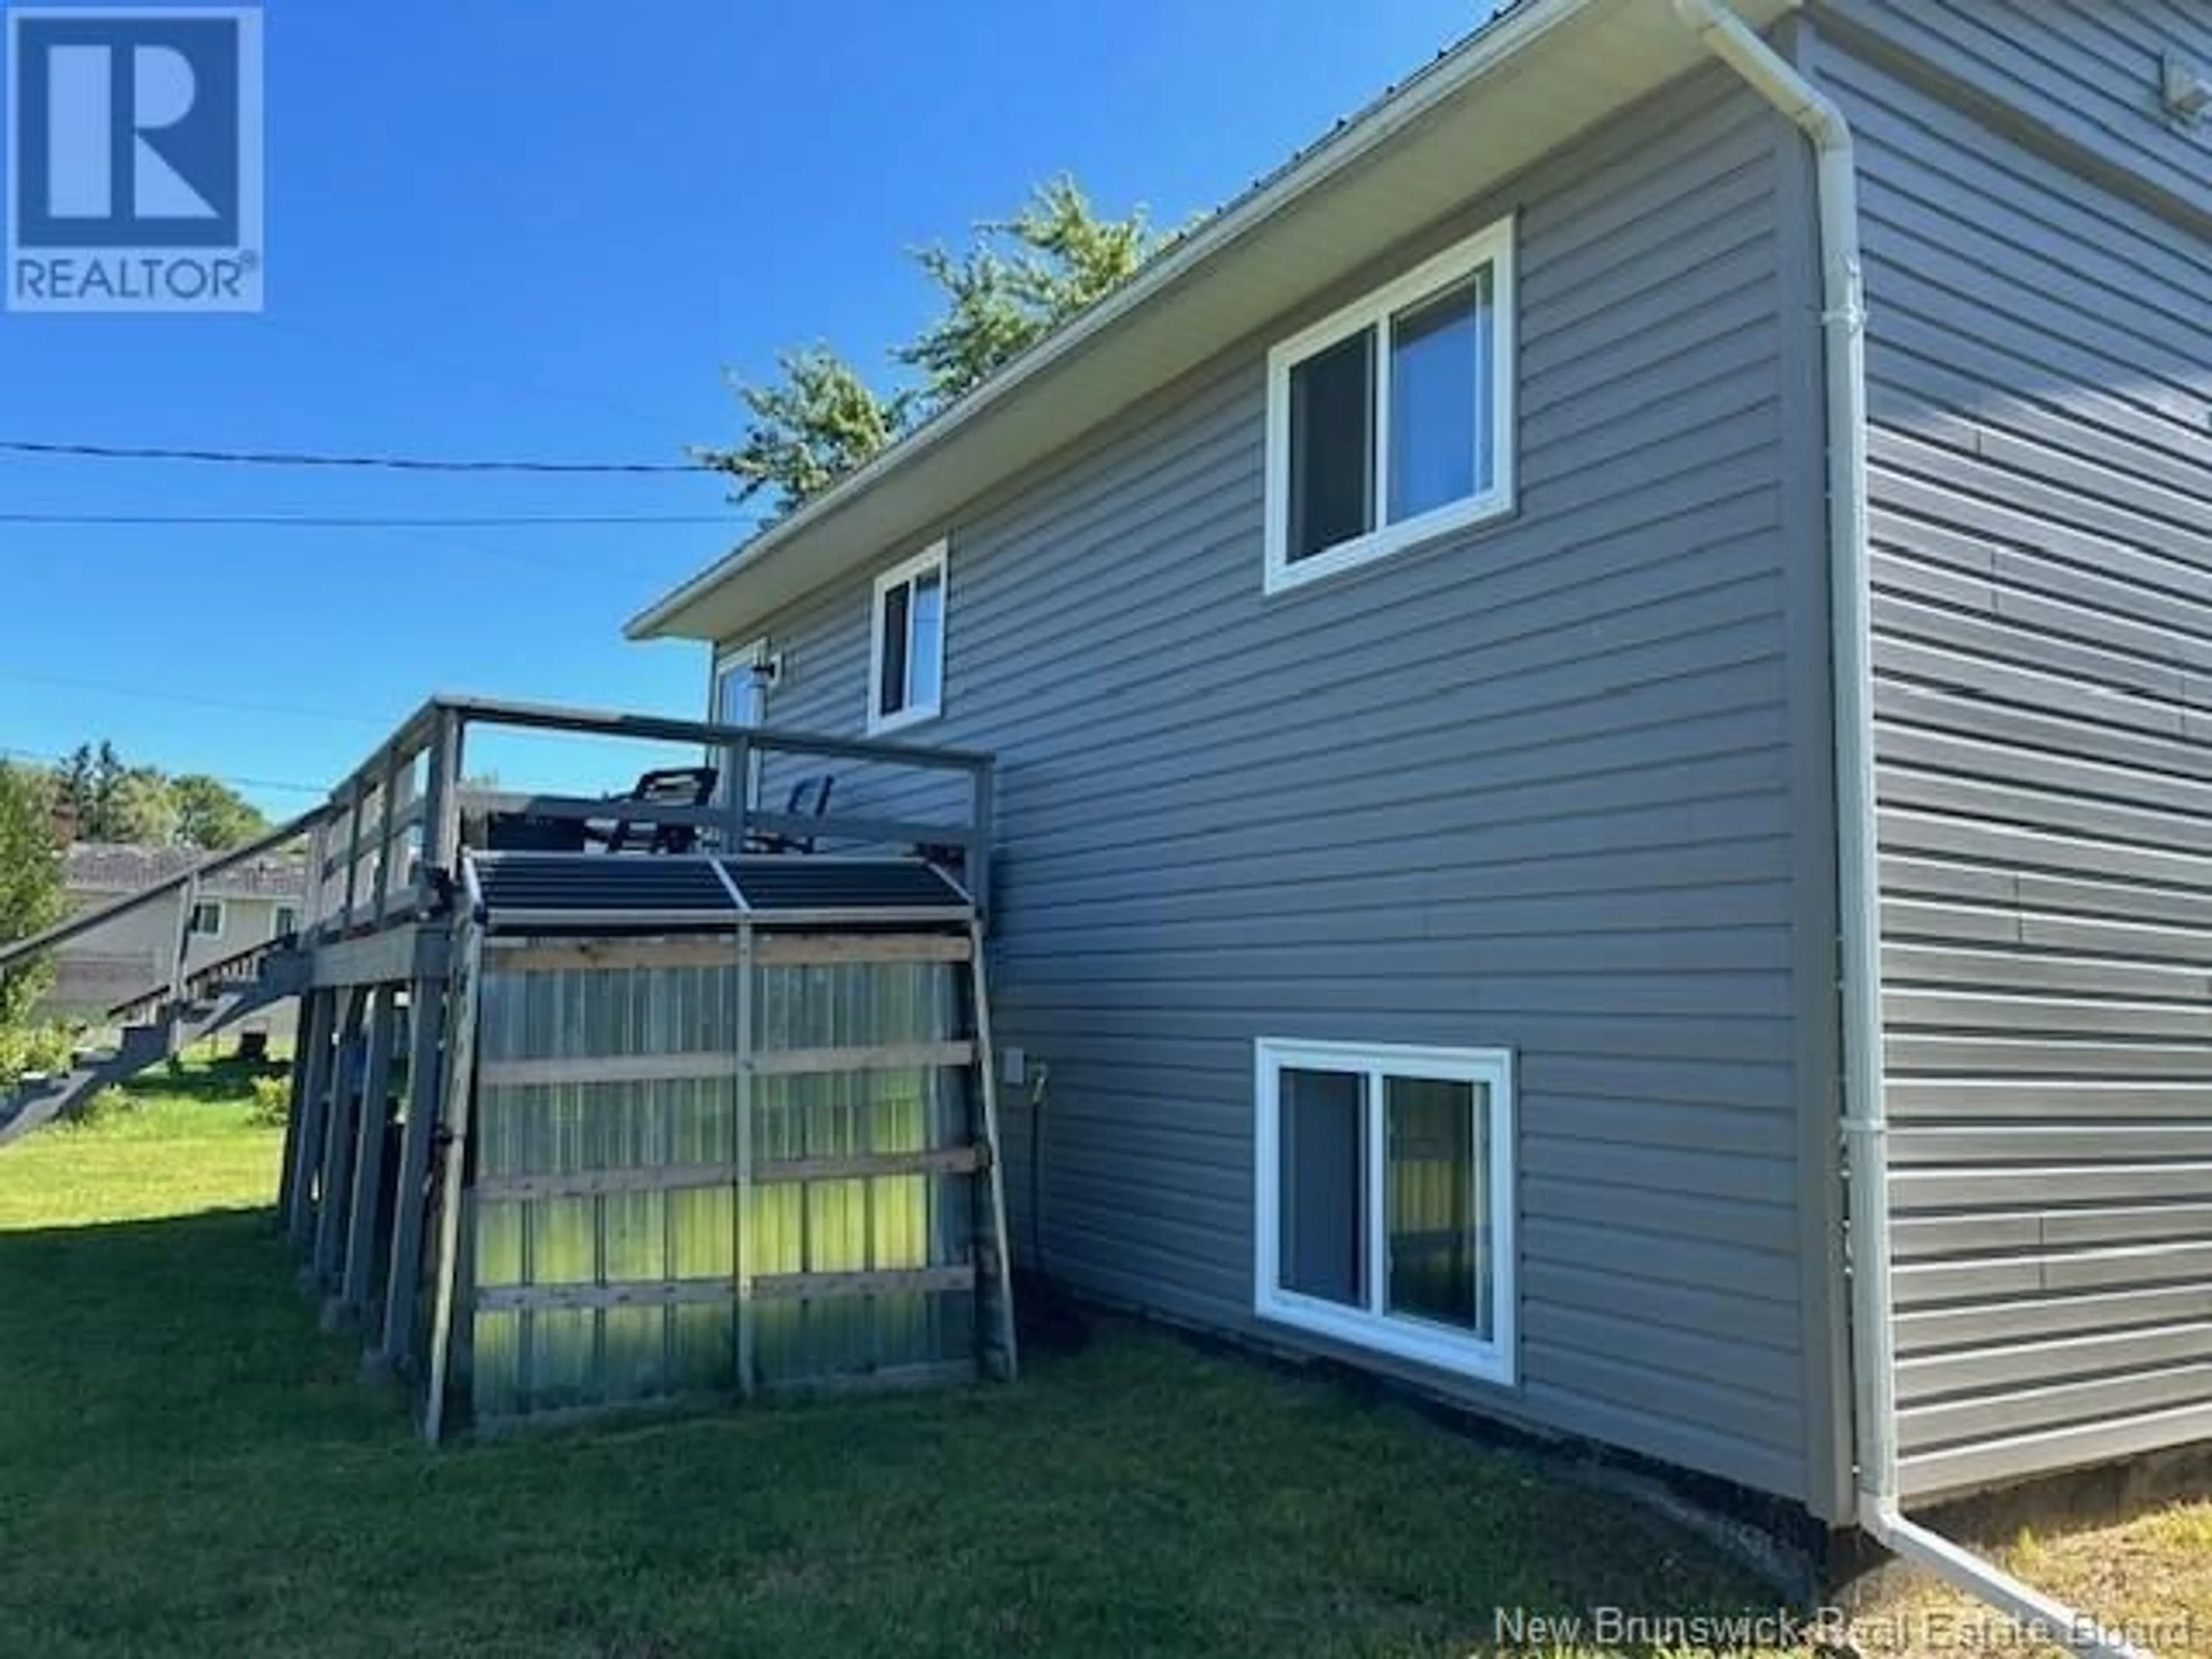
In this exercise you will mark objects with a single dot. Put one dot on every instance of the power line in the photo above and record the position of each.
(386, 463)
(374, 521)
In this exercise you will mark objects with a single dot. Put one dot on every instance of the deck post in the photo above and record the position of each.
(454, 1163)
(313, 1030)
(336, 1185)
(998, 1271)
(357, 1270)
(440, 791)
(388, 802)
(741, 1154)
(354, 817)
(736, 761)
(314, 1098)
(979, 831)
(319, 853)
(418, 1137)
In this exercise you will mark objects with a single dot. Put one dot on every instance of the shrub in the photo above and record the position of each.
(34, 1048)
(272, 1103)
(103, 1107)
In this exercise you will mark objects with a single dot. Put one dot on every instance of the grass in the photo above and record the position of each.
(187, 1468)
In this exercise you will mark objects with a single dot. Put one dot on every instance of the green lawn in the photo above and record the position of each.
(187, 1468)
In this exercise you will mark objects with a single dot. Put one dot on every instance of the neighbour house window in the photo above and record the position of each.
(906, 668)
(284, 921)
(207, 919)
(1384, 1213)
(1391, 421)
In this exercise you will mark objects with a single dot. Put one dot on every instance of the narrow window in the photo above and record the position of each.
(1384, 1200)
(1391, 422)
(906, 676)
(207, 919)
(285, 923)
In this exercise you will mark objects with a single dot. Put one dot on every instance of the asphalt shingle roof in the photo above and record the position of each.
(93, 867)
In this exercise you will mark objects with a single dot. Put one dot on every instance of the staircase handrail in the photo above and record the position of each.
(214, 864)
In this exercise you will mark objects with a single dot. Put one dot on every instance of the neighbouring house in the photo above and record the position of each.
(118, 964)
(1546, 777)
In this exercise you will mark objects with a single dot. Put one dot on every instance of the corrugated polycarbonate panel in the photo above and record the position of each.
(670, 1226)
(770, 884)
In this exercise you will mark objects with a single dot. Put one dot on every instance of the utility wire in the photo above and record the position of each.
(373, 521)
(386, 463)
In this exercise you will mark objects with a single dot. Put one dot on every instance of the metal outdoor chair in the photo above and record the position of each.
(809, 799)
(676, 786)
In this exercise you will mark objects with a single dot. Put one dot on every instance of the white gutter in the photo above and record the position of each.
(1866, 1112)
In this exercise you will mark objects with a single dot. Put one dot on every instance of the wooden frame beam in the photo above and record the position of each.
(552, 956)
(685, 1177)
(721, 1063)
(766, 1287)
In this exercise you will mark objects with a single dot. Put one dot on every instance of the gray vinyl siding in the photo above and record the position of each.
(1539, 786)
(2041, 376)
(2083, 76)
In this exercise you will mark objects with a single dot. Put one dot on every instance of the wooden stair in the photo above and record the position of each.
(157, 1028)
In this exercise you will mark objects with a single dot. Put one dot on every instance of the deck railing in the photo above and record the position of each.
(385, 846)
(393, 835)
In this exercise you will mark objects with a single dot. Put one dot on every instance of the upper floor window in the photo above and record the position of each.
(906, 665)
(1391, 420)
(207, 919)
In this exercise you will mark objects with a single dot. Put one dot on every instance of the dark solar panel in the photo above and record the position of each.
(585, 883)
(770, 884)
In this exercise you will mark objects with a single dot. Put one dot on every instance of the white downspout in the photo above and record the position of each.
(1866, 1118)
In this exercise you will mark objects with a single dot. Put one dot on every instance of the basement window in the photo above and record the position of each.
(906, 665)
(1391, 422)
(207, 919)
(1384, 1200)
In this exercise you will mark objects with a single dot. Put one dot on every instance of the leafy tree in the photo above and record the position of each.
(816, 424)
(211, 814)
(1018, 279)
(85, 784)
(30, 883)
(140, 809)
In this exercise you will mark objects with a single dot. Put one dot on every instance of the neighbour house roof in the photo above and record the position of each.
(93, 867)
(1533, 78)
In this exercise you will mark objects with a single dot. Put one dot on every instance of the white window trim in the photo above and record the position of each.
(221, 919)
(1492, 245)
(277, 929)
(931, 557)
(1489, 1361)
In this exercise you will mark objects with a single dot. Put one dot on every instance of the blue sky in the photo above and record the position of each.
(542, 230)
